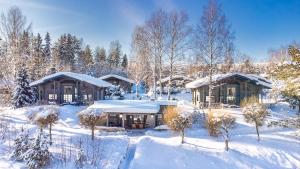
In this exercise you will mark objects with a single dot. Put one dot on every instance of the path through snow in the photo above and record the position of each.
(133, 136)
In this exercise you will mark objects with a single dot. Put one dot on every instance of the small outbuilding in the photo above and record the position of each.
(230, 88)
(133, 114)
(117, 80)
(70, 88)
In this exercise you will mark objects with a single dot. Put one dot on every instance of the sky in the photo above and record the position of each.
(259, 25)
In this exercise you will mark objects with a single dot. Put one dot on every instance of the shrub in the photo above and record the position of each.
(226, 123)
(81, 157)
(212, 124)
(177, 120)
(255, 113)
(90, 118)
(47, 117)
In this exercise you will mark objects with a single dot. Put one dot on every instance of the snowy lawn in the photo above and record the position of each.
(278, 148)
(106, 152)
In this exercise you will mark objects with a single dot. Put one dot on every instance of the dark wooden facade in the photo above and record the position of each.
(231, 90)
(67, 90)
(126, 86)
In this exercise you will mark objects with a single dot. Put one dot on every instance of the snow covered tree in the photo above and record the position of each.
(177, 120)
(226, 123)
(289, 72)
(90, 118)
(37, 64)
(256, 113)
(21, 145)
(212, 124)
(22, 95)
(124, 63)
(85, 61)
(115, 53)
(212, 39)
(177, 42)
(100, 55)
(47, 51)
(47, 118)
(38, 155)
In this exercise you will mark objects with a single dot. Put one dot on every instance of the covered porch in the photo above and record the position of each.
(130, 114)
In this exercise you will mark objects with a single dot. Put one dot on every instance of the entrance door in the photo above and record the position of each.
(68, 94)
(231, 95)
(129, 121)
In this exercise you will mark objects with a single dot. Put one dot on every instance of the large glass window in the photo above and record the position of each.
(231, 95)
(68, 94)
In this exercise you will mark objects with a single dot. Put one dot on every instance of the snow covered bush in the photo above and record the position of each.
(255, 113)
(38, 154)
(80, 157)
(22, 95)
(292, 122)
(177, 120)
(47, 118)
(226, 123)
(114, 91)
(90, 118)
(21, 145)
(212, 124)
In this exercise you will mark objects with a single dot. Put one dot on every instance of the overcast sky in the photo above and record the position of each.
(258, 24)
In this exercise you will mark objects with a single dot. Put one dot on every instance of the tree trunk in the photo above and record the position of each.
(50, 133)
(154, 80)
(299, 107)
(226, 144)
(93, 128)
(210, 89)
(182, 136)
(136, 90)
(257, 132)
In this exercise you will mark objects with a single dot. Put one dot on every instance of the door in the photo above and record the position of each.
(129, 121)
(231, 95)
(68, 94)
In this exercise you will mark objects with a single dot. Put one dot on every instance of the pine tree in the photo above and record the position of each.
(289, 72)
(114, 56)
(124, 63)
(21, 145)
(47, 51)
(37, 60)
(102, 56)
(38, 154)
(22, 93)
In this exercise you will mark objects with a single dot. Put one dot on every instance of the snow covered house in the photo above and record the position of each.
(117, 80)
(230, 88)
(132, 114)
(70, 88)
(176, 81)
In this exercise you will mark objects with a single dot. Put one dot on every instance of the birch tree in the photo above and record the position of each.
(212, 36)
(177, 41)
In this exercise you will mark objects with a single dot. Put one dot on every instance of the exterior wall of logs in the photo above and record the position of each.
(66, 90)
(228, 91)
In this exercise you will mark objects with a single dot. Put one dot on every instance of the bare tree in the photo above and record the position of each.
(177, 42)
(212, 38)
(226, 123)
(13, 24)
(154, 36)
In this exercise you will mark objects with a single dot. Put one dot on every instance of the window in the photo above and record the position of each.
(68, 94)
(231, 94)
(52, 97)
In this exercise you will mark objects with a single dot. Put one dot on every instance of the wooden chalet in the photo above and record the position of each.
(229, 89)
(70, 88)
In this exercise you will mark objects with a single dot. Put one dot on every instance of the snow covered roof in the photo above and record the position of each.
(117, 77)
(176, 77)
(258, 80)
(78, 76)
(126, 106)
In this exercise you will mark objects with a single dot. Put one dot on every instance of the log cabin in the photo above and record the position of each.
(70, 88)
(228, 89)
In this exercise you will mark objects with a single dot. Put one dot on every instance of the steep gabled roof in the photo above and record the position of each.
(254, 78)
(117, 77)
(78, 76)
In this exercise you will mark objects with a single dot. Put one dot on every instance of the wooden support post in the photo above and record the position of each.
(123, 120)
(107, 120)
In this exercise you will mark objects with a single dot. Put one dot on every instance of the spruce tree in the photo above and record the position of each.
(22, 95)
(47, 51)
(21, 145)
(124, 63)
(289, 72)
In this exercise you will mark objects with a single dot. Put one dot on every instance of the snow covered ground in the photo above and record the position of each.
(106, 152)
(279, 148)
